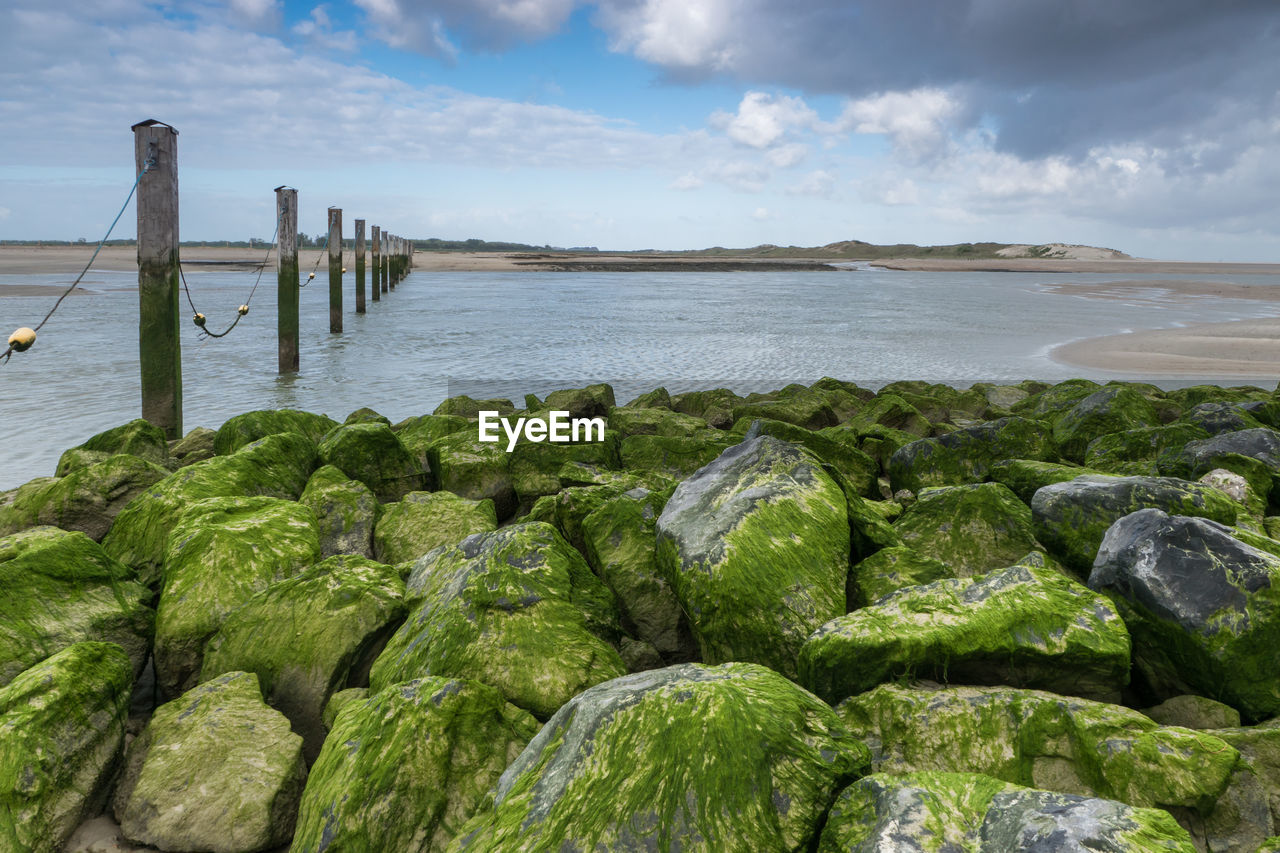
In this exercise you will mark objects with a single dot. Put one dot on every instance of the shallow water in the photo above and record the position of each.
(510, 333)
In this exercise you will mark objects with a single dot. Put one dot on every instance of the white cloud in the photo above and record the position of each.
(820, 184)
(255, 12)
(436, 27)
(786, 156)
(915, 121)
(319, 29)
(679, 33)
(687, 181)
(763, 119)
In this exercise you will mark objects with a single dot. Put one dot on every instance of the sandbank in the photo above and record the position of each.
(1248, 349)
(1135, 266)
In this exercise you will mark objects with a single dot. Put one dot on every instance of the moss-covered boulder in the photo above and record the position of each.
(658, 398)
(972, 813)
(195, 446)
(374, 455)
(1116, 408)
(620, 543)
(836, 447)
(1058, 743)
(276, 466)
(891, 412)
(251, 426)
(1252, 453)
(779, 752)
(1203, 608)
(889, 570)
(1194, 712)
(462, 406)
(61, 731)
(715, 406)
(221, 552)
(419, 433)
(474, 469)
(87, 499)
(420, 521)
(517, 608)
(673, 455)
(1023, 626)
(1050, 403)
(406, 768)
(1025, 477)
(1136, 451)
(1216, 417)
(137, 438)
(535, 466)
(216, 770)
(593, 401)
(61, 588)
(756, 547)
(309, 636)
(346, 511)
(1071, 517)
(366, 415)
(629, 420)
(966, 455)
(972, 529)
(803, 408)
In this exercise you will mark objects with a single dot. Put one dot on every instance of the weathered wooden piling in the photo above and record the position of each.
(287, 279)
(384, 271)
(335, 269)
(375, 250)
(359, 266)
(155, 150)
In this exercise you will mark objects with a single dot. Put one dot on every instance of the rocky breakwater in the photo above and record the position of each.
(1017, 617)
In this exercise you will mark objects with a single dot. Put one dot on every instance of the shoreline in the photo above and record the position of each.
(1247, 349)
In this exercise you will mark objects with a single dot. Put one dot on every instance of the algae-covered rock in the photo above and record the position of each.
(137, 438)
(658, 398)
(1116, 408)
(967, 455)
(276, 466)
(517, 608)
(1025, 477)
(1071, 517)
(61, 731)
(1194, 712)
(474, 469)
(803, 408)
(346, 511)
(365, 415)
(629, 420)
(972, 529)
(535, 466)
(340, 700)
(418, 434)
(195, 446)
(309, 636)
(252, 426)
(403, 770)
(620, 545)
(593, 401)
(214, 770)
(756, 547)
(1216, 417)
(61, 588)
(1203, 608)
(972, 813)
(374, 455)
(463, 406)
(1043, 740)
(836, 447)
(1252, 453)
(1053, 401)
(779, 755)
(889, 570)
(421, 521)
(715, 406)
(87, 499)
(891, 412)
(1136, 451)
(221, 552)
(673, 455)
(1022, 626)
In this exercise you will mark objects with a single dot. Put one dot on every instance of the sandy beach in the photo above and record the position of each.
(1135, 266)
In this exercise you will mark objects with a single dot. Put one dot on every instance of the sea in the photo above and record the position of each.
(509, 334)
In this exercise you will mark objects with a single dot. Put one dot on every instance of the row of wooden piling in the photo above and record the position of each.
(159, 349)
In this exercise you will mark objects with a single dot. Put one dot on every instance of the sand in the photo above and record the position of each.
(1248, 349)
(1130, 267)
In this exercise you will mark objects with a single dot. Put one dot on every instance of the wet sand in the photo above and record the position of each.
(1137, 266)
(1246, 349)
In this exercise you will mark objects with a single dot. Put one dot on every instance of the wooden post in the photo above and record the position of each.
(387, 242)
(359, 266)
(375, 250)
(155, 149)
(335, 269)
(287, 279)
(394, 274)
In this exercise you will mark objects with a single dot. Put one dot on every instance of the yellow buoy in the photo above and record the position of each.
(242, 310)
(22, 339)
(198, 320)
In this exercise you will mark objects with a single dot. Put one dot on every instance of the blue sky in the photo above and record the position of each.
(1151, 126)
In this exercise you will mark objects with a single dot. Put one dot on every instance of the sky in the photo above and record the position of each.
(1149, 126)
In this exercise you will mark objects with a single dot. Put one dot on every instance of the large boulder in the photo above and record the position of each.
(756, 547)
(966, 455)
(1216, 417)
(309, 636)
(620, 546)
(214, 770)
(631, 420)
(61, 588)
(346, 512)
(643, 743)
(517, 608)
(61, 731)
(276, 466)
(1064, 744)
(892, 412)
(1023, 626)
(803, 408)
(972, 813)
(535, 466)
(836, 447)
(1051, 402)
(1136, 451)
(1203, 608)
(87, 499)
(221, 552)
(374, 455)
(1252, 453)
(474, 469)
(420, 521)
(972, 529)
(1115, 408)
(1025, 477)
(404, 769)
(137, 438)
(1071, 517)
(249, 427)
(715, 406)
(889, 570)
(673, 455)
